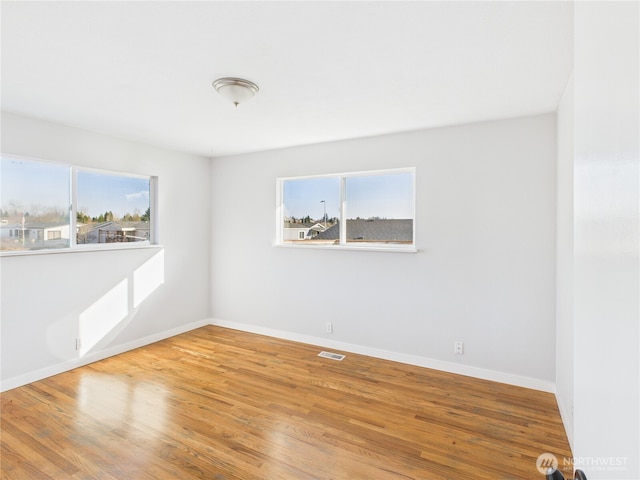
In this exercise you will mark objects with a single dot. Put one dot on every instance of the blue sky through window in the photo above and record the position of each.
(33, 187)
(384, 196)
(100, 192)
(304, 197)
(38, 187)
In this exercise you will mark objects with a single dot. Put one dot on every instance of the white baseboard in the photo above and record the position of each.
(470, 371)
(426, 362)
(67, 365)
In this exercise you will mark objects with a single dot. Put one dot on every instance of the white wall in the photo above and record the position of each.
(484, 274)
(121, 298)
(606, 238)
(564, 260)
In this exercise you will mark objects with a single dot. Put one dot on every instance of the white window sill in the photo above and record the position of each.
(365, 248)
(81, 249)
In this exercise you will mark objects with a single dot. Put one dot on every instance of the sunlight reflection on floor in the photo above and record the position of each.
(140, 409)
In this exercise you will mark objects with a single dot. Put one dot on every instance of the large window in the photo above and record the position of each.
(356, 210)
(46, 206)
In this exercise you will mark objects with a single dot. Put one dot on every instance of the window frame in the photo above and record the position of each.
(343, 244)
(73, 246)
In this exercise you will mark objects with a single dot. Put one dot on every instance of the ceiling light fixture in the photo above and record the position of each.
(237, 90)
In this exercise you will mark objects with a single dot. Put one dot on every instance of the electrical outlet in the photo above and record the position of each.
(458, 348)
(328, 327)
(78, 344)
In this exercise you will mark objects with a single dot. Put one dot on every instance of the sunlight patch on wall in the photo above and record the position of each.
(147, 277)
(103, 316)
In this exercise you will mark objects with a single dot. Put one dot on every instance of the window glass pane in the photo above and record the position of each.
(311, 209)
(379, 208)
(34, 204)
(112, 208)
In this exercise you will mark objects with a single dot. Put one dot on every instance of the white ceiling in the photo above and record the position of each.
(326, 70)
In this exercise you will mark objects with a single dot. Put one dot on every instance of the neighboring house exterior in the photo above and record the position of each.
(112, 232)
(378, 231)
(34, 235)
(301, 231)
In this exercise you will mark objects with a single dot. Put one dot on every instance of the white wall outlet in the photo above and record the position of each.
(328, 327)
(458, 348)
(78, 343)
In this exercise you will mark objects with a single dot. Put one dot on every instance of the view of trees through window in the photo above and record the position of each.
(374, 207)
(36, 209)
(34, 205)
(112, 208)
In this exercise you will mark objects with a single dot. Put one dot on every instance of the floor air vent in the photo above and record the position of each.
(332, 356)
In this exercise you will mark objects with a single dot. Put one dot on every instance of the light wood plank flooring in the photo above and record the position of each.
(220, 404)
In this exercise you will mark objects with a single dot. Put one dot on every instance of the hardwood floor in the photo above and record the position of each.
(220, 404)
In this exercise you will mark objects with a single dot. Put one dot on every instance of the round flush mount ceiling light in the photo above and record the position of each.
(237, 90)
